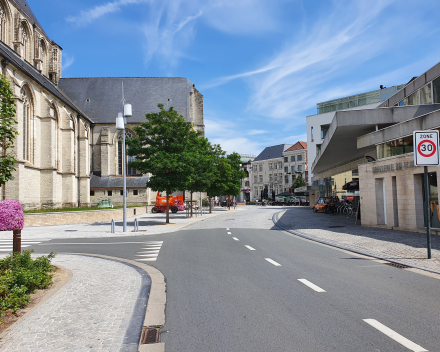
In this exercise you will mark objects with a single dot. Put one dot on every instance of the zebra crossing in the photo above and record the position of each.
(150, 251)
(6, 245)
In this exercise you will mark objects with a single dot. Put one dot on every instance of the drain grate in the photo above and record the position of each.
(334, 227)
(150, 335)
(400, 266)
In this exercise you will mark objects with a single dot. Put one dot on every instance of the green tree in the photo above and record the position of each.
(235, 176)
(201, 160)
(298, 182)
(220, 175)
(161, 149)
(8, 131)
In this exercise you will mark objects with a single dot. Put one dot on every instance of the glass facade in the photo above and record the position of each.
(397, 147)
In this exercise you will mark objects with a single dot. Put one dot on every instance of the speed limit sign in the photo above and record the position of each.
(426, 148)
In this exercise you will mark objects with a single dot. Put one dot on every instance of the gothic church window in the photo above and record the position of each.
(130, 170)
(24, 41)
(26, 135)
(2, 23)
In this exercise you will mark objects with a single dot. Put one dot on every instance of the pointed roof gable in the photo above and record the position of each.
(273, 152)
(297, 146)
(27, 10)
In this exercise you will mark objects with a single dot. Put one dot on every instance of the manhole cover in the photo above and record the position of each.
(396, 265)
(334, 227)
(150, 335)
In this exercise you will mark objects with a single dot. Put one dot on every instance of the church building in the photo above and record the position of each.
(68, 150)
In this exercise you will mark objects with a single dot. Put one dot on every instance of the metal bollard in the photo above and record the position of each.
(136, 225)
(16, 241)
(113, 225)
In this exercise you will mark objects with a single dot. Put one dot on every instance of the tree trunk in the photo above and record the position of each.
(210, 205)
(191, 203)
(168, 207)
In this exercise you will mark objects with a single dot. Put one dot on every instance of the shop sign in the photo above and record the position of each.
(393, 167)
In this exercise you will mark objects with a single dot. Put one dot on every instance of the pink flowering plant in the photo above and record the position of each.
(11, 215)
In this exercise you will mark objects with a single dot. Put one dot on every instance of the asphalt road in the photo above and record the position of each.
(241, 292)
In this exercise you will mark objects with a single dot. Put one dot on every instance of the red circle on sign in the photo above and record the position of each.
(433, 148)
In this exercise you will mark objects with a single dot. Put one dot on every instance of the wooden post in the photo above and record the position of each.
(16, 241)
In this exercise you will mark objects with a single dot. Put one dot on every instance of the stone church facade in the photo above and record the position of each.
(68, 150)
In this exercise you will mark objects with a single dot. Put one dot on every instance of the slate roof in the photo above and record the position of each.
(273, 152)
(30, 71)
(28, 11)
(297, 146)
(100, 97)
(113, 182)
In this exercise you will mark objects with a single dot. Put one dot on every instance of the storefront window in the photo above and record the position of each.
(413, 99)
(397, 147)
(433, 200)
(425, 94)
(436, 90)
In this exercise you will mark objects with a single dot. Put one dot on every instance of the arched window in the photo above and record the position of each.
(24, 41)
(43, 56)
(130, 171)
(2, 23)
(27, 110)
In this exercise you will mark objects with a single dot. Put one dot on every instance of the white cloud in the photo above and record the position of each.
(88, 16)
(255, 132)
(337, 45)
(67, 61)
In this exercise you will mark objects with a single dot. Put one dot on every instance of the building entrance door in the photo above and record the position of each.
(433, 200)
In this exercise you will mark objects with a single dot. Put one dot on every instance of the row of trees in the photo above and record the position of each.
(179, 158)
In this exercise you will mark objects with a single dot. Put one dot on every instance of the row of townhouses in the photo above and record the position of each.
(273, 171)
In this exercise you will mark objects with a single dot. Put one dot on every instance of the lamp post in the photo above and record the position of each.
(121, 121)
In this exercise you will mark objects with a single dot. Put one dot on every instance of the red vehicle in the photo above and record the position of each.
(175, 203)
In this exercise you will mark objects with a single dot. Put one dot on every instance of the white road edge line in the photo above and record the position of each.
(272, 262)
(250, 248)
(312, 286)
(395, 336)
(235, 239)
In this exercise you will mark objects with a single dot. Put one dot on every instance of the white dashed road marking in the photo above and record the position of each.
(229, 233)
(250, 248)
(6, 245)
(395, 336)
(312, 286)
(272, 262)
(235, 239)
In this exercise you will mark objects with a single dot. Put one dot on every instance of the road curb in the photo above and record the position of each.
(275, 220)
(155, 310)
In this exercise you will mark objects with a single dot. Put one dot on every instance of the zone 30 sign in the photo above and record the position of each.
(426, 148)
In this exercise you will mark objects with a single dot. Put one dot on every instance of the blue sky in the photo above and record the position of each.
(262, 65)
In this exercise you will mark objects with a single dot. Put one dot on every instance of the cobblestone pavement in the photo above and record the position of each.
(398, 246)
(92, 312)
(149, 224)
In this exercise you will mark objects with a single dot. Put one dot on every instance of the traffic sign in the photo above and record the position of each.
(426, 151)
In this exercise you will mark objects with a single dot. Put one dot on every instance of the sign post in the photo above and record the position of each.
(426, 154)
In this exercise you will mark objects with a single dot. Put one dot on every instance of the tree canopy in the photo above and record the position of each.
(8, 131)
(161, 149)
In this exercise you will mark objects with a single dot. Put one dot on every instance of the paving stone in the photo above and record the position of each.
(76, 318)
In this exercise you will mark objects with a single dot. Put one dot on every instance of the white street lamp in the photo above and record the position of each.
(121, 121)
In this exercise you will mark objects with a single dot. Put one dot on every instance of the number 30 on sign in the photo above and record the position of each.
(426, 148)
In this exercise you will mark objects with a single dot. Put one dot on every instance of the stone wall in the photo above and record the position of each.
(403, 196)
(77, 217)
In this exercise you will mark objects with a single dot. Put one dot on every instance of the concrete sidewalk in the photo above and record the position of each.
(407, 248)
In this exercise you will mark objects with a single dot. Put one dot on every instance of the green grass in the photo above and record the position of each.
(21, 275)
(75, 209)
